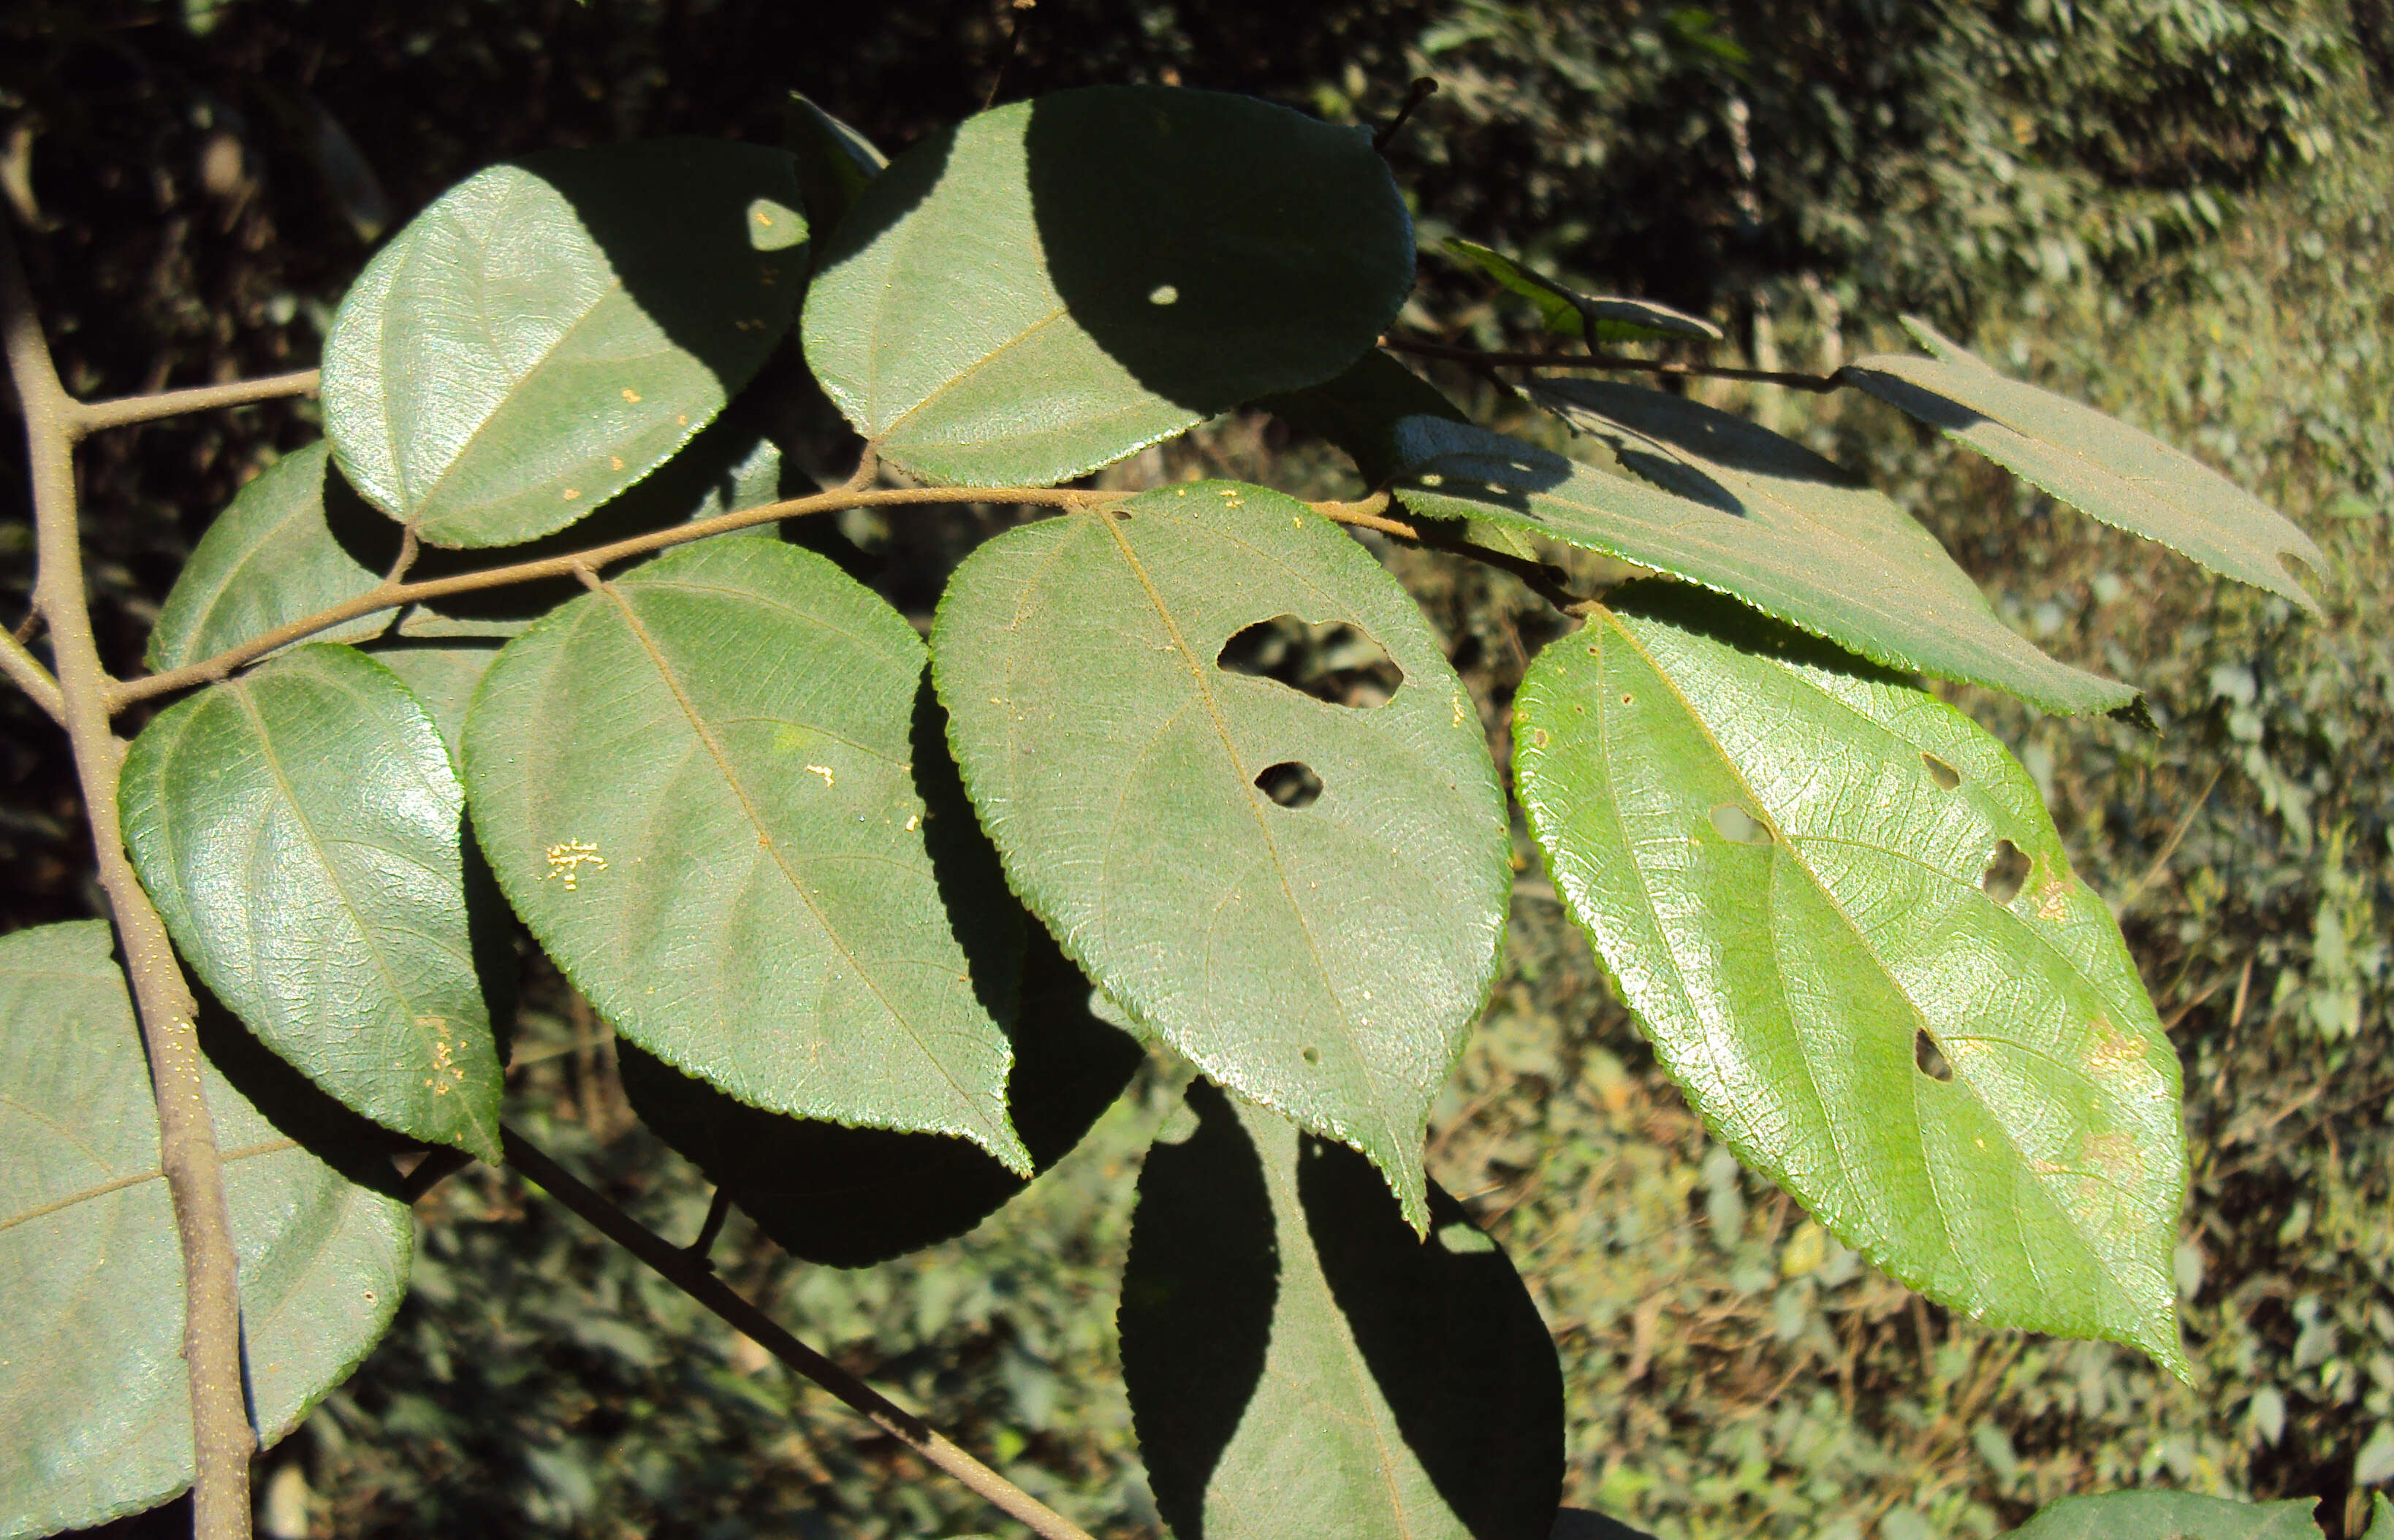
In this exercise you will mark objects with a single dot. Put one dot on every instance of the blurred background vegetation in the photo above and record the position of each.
(2177, 209)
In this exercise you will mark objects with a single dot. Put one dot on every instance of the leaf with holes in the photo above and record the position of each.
(1301, 1364)
(1304, 897)
(1056, 284)
(299, 829)
(94, 1408)
(1848, 926)
(2170, 1516)
(1741, 510)
(2097, 465)
(552, 330)
(1591, 318)
(717, 791)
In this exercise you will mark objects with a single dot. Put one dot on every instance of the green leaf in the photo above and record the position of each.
(2097, 465)
(94, 1410)
(1056, 284)
(2171, 1515)
(1322, 960)
(1359, 409)
(1594, 318)
(1301, 1364)
(712, 789)
(853, 1197)
(298, 828)
(551, 331)
(834, 161)
(2381, 1518)
(1851, 930)
(1769, 523)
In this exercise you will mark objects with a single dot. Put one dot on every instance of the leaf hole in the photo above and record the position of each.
(1739, 826)
(1290, 783)
(2006, 872)
(1944, 775)
(1332, 662)
(1929, 1057)
(1312, 1055)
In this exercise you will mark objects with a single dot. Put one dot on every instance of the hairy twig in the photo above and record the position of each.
(90, 416)
(221, 1438)
(19, 664)
(1818, 384)
(695, 1279)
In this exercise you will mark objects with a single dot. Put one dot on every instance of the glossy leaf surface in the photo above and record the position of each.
(299, 829)
(95, 1409)
(2096, 464)
(550, 331)
(2170, 1516)
(1324, 960)
(1056, 284)
(1850, 930)
(1301, 1364)
(1745, 512)
(1592, 318)
(706, 788)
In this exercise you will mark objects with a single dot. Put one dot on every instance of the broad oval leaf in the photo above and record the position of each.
(1322, 960)
(2096, 464)
(1056, 284)
(1301, 1364)
(1851, 929)
(95, 1409)
(300, 830)
(712, 789)
(2171, 1515)
(1768, 522)
(552, 330)
(1359, 409)
(1591, 318)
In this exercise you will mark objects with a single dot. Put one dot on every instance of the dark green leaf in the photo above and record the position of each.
(1851, 929)
(1055, 284)
(834, 161)
(1592, 318)
(94, 1410)
(2171, 1515)
(1324, 960)
(550, 331)
(1767, 522)
(703, 788)
(2095, 463)
(1359, 409)
(298, 828)
(1301, 1364)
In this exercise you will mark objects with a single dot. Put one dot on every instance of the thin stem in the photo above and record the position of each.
(1818, 384)
(718, 1210)
(677, 1267)
(1422, 89)
(1542, 579)
(19, 664)
(221, 1438)
(90, 416)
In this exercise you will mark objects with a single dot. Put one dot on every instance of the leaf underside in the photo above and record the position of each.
(1798, 870)
(716, 791)
(2170, 1516)
(1591, 318)
(95, 1409)
(1322, 960)
(1300, 1364)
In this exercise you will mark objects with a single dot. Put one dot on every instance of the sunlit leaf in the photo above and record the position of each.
(1848, 926)
(2171, 1515)
(1744, 511)
(714, 791)
(552, 330)
(1324, 958)
(1301, 1364)
(95, 1409)
(1593, 318)
(2094, 462)
(299, 829)
(1055, 284)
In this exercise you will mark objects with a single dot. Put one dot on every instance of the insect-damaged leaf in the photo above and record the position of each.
(1591, 318)
(2171, 1515)
(95, 1407)
(1848, 926)
(552, 330)
(299, 829)
(1301, 1364)
(1740, 509)
(2096, 464)
(716, 791)
(1055, 284)
(1322, 959)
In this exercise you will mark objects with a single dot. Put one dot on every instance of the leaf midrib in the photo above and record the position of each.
(100, 1190)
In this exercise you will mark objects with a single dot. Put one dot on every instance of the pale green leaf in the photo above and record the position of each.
(299, 829)
(551, 331)
(2096, 464)
(94, 1408)
(1300, 1364)
(1849, 927)
(2171, 1515)
(1593, 318)
(1056, 284)
(713, 789)
(1322, 960)
(2381, 1518)
(1768, 522)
